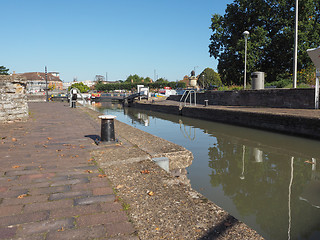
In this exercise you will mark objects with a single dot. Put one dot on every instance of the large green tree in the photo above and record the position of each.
(4, 70)
(271, 39)
(209, 77)
(137, 79)
(162, 80)
(134, 78)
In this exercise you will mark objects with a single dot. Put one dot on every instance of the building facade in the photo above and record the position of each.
(36, 81)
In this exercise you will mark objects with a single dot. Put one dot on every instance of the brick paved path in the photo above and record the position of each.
(49, 188)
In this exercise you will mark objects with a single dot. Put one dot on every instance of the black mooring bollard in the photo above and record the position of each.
(206, 103)
(107, 128)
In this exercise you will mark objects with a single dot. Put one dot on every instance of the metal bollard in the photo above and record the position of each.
(107, 128)
(206, 103)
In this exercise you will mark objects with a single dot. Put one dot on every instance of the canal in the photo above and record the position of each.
(269, 181)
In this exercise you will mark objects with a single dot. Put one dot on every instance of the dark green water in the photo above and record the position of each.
(269, 181)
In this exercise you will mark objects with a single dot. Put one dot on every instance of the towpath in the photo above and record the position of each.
(303, 113)
(49, 186)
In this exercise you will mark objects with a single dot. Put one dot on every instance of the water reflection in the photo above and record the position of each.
(138, 117)
(269, 181)
(187, 131)
(270, 186)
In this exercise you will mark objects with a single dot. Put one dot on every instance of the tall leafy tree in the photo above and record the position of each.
(134, 79)
(209, 77)
(162, 80)
(4, 70)
(271, 39)
(137, 79)
(147, 80)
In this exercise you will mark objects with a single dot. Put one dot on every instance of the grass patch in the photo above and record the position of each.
(125, 206)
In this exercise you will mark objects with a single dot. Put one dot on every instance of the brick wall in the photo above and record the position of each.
(13, 99)
(279, 98)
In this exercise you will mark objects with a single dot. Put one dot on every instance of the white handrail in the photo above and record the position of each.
(183, 95)
(189, 94)
(78, 92)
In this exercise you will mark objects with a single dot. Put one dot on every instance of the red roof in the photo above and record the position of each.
(39, 76)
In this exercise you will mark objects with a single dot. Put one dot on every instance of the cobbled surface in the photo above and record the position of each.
(50, 188)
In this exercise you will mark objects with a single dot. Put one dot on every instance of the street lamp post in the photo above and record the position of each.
(245, 34)
(295, 55)
(202, 81)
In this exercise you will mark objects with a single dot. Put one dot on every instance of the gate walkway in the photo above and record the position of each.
(303, 113)
(50, 188)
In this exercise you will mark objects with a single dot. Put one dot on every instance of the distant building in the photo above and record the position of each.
(88, 83)
(99, 78)
(66, 85)
(36, 81)
(110, 82)
(186, 80)
(56, 74)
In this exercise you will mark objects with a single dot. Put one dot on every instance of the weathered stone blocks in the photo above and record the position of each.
(13, 99)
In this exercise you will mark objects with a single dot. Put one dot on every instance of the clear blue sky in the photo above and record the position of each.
(83, 38)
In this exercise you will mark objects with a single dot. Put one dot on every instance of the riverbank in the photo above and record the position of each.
(299, 122)
(55, 190)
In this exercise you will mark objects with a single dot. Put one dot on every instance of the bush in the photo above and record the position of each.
(279, 84)
(230, 88)
(307, 75)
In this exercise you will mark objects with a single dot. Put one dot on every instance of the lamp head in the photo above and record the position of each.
(246, 34)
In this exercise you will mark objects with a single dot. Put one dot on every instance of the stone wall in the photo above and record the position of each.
(277, 98)
(13, 99)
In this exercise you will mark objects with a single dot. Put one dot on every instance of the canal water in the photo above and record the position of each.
(269, 181)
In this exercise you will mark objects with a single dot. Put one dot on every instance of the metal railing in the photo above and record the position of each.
(78, 92)
(188, 94)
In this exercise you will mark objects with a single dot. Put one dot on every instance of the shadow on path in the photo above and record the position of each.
(221, 228)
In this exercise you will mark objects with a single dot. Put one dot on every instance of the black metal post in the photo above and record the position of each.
(107, 128)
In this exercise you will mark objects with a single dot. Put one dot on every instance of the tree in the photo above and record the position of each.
(271, 39)
(162, 80)
(4, 70)
(209, 77)
(134, 79)
(82, 87)
(147, 80)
